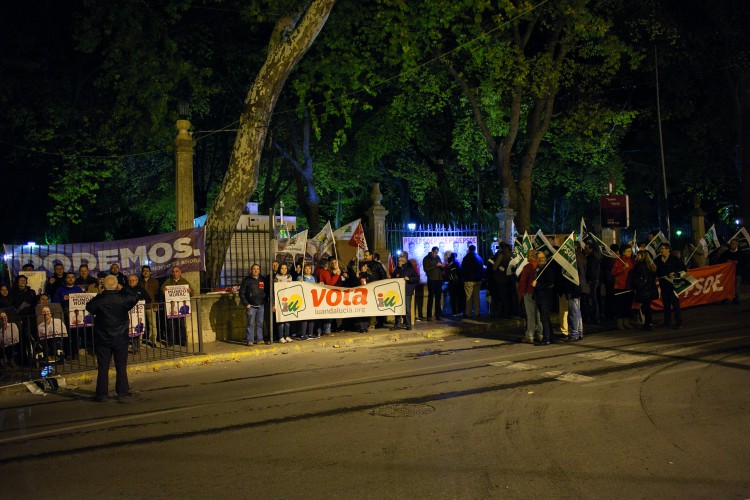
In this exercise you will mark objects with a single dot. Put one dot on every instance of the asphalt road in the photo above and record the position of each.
(635, 414)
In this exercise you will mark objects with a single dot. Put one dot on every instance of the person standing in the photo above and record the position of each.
(114, 270)
(644, 285)
(593, 272)
(472, 269)
(433, 268)
(544, 294)
(175, 326)
(283, 327)
(56, 280)
(406, 271)
(668, 266)
(253, 295)
(110, 310)
(455, 285)
(151, 285)
(84, 279)
(526, 295)
(740, 257)
(622, 272)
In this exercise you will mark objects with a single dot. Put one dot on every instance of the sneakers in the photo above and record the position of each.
(282, 340)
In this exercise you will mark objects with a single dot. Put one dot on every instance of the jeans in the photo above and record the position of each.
(283, 329)
(533, 322)
(255, 317)
(574, 317)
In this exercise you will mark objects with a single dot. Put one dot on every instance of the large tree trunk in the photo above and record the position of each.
(290, 40)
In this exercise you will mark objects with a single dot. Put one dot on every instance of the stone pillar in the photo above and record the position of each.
(505, 218)
(184, 200)
(698, 219)
(376, 215)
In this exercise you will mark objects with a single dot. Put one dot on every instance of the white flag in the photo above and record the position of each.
(710, 240)
(566, 257)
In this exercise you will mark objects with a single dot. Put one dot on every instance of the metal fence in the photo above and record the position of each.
(40, 345)
(417, 240)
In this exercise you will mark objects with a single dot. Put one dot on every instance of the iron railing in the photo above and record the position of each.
(33, 347)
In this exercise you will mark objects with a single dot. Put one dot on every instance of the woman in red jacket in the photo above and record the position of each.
(622, 271)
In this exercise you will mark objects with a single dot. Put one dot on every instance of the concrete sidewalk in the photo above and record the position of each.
(218, 352)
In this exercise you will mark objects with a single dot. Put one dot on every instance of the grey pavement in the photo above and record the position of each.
(221, 351)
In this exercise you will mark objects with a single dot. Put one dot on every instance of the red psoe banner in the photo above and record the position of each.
(715, 283)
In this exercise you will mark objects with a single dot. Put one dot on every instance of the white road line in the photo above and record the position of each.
(569, 377)
(514, 366)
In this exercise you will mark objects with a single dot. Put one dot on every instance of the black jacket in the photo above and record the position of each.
(665, 268)
(472, 267)
(110, 309)
(410, 273)
(254, 291)
(430, 267)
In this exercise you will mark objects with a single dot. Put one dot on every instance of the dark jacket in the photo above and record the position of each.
(254, 291)
(593, 266)
(644, 283)
(411, 275)
(377, 270)
(472, 267)
(21, 297)
(665, 268)
(141, 293)
(430, 267)
(110, 309)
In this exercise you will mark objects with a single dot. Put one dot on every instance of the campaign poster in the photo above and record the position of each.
(302, 300)
(177, 300)
(78, 316)
(136, 319)
(36, 280)
(419, 246)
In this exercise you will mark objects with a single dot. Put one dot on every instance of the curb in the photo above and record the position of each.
(237, 353)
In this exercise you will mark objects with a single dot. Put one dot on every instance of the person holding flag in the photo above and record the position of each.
(544, 295)
(622, 271)
(668, 267)
(734, 254)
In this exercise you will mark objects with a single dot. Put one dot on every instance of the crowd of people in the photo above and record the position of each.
(35, 323)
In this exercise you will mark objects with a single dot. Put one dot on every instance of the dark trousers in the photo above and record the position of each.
(176, 331)
(671, 304)
(434, 291)
(591, 312)
(457, 297)
(648, 314)
(545, 301)
(104, 355)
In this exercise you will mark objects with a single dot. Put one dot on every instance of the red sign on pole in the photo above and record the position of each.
(615, 210)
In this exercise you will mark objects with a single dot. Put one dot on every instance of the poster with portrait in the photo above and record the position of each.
(9, 332)
(419, 246)
(136, 319)
(78, 316)
(36, 280)
(177, 301)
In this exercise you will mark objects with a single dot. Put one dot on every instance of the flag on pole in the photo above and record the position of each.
(710, 240)
(591, 240)
(743, 239)
(566, 257)
(681, 283)
(297, 244)
(582, 230)
(518, 258)
(653, 245)
(321, 243)
(358, 240)
(542, 244)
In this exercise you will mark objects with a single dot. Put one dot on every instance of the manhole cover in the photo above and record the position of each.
(403, 410)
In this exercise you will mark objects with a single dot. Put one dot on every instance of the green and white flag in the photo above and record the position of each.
(594, 242)
(520, 250)
(711, 240)
(542, 244)
(743, 239)
(682, 283)
(566, 257)
(582, 230)
(653, 245)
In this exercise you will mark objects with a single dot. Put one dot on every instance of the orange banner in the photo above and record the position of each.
(715, 283)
